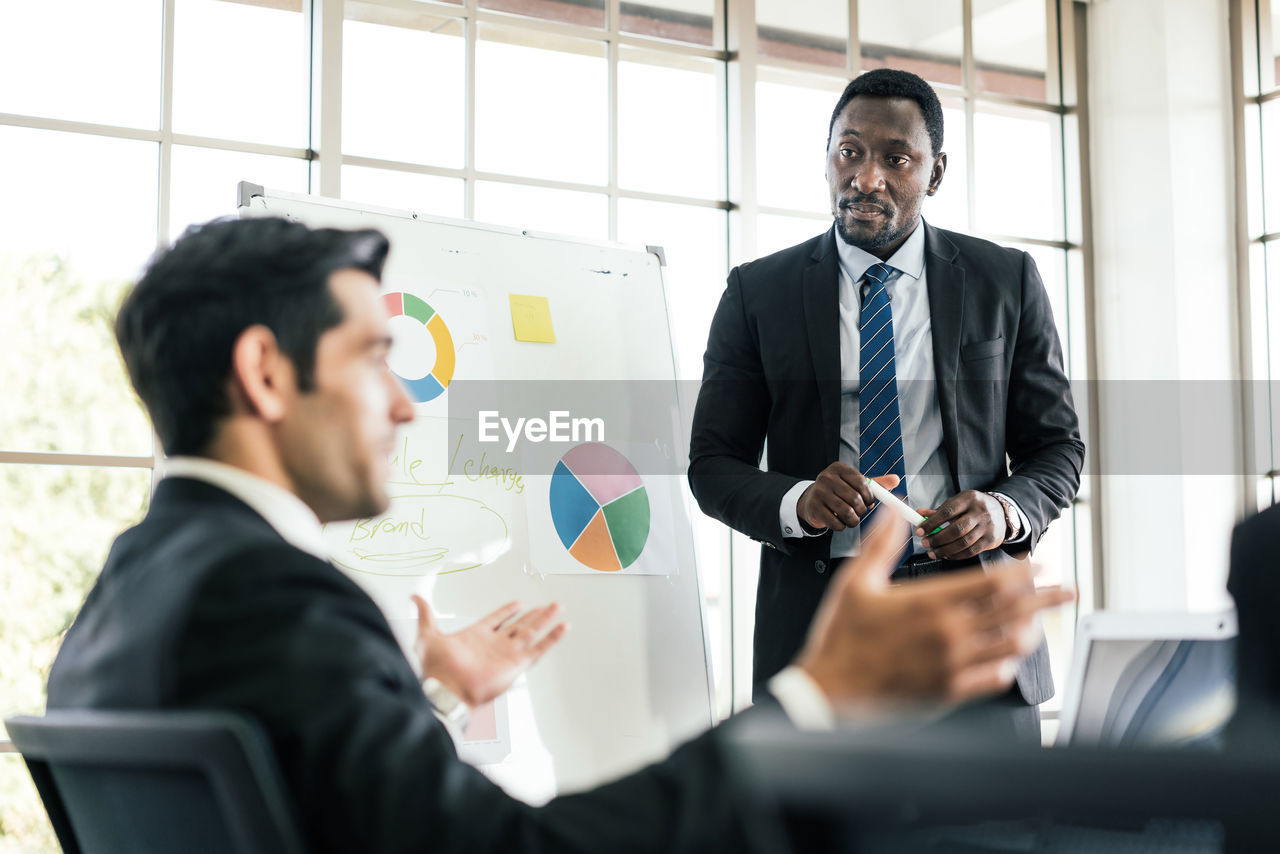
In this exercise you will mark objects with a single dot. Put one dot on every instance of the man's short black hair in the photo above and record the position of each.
(179, 324)
(895, 83)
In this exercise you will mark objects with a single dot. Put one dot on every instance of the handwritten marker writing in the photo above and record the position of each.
(897, 505)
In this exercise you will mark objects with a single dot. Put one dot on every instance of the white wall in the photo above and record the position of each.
(1164, 296)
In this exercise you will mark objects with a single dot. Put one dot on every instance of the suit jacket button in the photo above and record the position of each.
(820, 566)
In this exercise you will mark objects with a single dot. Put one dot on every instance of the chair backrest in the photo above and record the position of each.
(116, 782)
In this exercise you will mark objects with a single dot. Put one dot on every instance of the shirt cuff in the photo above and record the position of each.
(1024, 527)
(789, 518)
(448, 706)
(802, 700)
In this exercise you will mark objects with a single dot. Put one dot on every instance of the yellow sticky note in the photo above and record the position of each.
(531, 319)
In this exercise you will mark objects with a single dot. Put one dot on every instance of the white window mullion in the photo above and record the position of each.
(326, 95)
(166, 125)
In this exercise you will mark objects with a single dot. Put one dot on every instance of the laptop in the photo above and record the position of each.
(1150, 680)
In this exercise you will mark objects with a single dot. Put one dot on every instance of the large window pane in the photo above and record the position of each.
(693, 240)
(74, 233)
(205, 181)
(1073, 327)
(388, 188)
(677, 20)
(774, 233)
(1052, 264)
(240, 72)
(1272, 269)
(89, 199)
(670, 131)
(1262, 322)
(541, 113)
(539, 209)
(587, 13)
(83, 60)
(1271, 164)
(1010, 47)
(814, 31)
(403, 93)
(922, 36)
(64, 385)
(58, 524)
(1274, 59)
(1018, 180)
(792, 123)
(1253, 168)
(949, 207)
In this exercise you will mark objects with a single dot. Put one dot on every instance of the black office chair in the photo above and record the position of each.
(139, 782)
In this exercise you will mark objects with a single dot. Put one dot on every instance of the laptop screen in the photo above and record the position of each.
(1155, 692)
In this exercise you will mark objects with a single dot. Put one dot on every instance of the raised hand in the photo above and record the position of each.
(480, 662)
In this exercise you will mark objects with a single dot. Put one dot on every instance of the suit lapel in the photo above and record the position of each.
(820, 295)
(945, 281)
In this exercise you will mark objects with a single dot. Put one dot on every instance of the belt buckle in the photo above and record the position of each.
(917, 566)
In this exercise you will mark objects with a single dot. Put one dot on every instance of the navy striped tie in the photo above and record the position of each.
(880, 429)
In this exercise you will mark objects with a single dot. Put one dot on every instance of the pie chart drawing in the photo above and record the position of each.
(435, 381)
(600, 507)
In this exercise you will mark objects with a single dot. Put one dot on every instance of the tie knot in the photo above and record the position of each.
(879, 273)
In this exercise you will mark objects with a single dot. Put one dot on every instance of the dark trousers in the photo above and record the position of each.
(1006, 719)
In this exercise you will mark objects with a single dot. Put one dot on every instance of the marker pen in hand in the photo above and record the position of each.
(898, 506)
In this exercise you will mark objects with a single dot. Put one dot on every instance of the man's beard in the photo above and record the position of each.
(883, 237)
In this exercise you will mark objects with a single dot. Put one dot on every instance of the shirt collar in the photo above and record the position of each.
(291, 518)
(909, 259)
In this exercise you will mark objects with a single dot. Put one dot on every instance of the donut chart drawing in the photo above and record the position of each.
(600, 507)
(435, 381)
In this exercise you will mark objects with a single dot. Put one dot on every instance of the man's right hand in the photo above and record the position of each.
(839, 497)
(948, 638)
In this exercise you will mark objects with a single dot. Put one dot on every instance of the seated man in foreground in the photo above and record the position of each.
(259, 348)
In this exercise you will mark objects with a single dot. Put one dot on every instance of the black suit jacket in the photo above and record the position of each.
(772, 371)
(1254, 583)
(203, 605)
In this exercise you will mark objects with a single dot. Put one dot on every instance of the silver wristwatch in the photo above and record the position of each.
(448, 705)
(1012, 522)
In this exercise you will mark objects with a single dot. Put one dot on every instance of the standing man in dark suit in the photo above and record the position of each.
(891, 349)
(260, 350)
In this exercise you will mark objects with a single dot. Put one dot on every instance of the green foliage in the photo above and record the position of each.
(61, 389)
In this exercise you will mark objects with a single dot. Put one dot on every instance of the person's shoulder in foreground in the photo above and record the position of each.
(259, 348)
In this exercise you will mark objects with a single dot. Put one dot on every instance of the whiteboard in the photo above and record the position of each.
(475, 524)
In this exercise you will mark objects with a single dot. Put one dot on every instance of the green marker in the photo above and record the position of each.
(899, 506)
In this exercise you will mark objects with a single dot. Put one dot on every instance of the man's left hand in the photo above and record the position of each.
(481, 661)
(975, 524)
